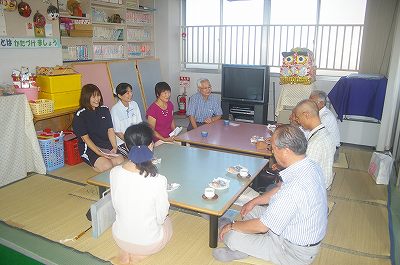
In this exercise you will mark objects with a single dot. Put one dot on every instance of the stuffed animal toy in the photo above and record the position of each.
(116, 18)
(74, 8)
(25, 74)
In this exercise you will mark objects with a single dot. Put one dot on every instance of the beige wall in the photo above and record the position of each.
(378, 36)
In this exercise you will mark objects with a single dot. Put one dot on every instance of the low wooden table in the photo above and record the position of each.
(228, 137)
(194, 169)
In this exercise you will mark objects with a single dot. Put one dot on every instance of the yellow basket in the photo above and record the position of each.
(42, 106)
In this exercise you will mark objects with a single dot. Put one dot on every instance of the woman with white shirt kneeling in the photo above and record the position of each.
(139, 196)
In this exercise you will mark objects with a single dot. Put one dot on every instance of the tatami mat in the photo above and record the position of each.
(41, 205)
(357, 185)
(359, 227)
(329, 256)
(356, 158)
(79, 173)
(88, 192)
(341, 162)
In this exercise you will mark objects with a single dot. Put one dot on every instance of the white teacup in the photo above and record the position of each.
(209, 193)
(244, 172)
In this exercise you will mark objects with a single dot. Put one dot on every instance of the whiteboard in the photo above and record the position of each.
(150, 74)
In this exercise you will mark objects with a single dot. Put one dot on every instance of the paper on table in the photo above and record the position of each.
(172, 186)
(234, 169)
(156, 161)
(233, 124)
(175, 132)
(271, 127)
(219, 183)
(107, 152)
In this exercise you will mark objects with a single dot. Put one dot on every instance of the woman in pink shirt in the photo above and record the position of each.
(160, 114)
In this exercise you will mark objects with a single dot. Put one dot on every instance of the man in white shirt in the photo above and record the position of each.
(320, 147)
(290, 229)
(327, 118)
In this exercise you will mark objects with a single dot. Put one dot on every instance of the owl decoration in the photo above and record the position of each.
(297, 67)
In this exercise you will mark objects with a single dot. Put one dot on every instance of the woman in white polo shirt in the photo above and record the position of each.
(124, 113)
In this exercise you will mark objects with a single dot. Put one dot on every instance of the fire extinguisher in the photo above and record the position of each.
(181, 104)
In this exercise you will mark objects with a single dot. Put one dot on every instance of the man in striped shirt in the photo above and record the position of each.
(203, 107)
(320, 148)
(289, 230)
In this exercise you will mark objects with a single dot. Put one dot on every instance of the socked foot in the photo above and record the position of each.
(226, 254)
(134, 259)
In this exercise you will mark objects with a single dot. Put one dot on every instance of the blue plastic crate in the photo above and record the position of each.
(52, 152)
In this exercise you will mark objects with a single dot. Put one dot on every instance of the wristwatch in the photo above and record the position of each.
(232, 224)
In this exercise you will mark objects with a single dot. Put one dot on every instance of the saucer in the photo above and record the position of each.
(213, 198)
(248, 176)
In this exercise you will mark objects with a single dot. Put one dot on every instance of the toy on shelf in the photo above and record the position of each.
(23, 78)
(298, 67)
(74, 8)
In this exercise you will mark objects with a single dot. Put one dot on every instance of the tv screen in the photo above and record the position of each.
(244, 82)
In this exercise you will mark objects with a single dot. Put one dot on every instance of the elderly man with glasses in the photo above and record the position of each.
(203, 107)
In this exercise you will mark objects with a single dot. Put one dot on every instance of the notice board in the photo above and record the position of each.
(125, 72)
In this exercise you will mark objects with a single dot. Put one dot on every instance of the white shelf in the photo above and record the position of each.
(139, 41)
(139, 25)
(108, 41)
(131, 13)
(71, 38)
(76, 61)
(108, 59)
(95, 23)
(107, 5)
(141, 9)
(74, 17)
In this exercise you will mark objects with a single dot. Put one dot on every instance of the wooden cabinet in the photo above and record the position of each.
(115, 29)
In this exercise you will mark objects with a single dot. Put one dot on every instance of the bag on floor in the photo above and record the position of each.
(380, 167)
(102, 215)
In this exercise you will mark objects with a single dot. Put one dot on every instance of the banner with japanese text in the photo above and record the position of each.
(28, 43)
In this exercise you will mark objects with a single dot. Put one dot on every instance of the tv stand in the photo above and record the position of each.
(244, 112)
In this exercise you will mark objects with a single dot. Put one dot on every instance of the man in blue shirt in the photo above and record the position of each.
(290, 229)
(203, 106)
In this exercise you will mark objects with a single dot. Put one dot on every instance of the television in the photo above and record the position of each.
(246, 83)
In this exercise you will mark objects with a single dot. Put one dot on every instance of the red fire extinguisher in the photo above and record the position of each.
(181, 104)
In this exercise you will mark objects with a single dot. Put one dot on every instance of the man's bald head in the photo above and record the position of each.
(308, 106)
(307, 114)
